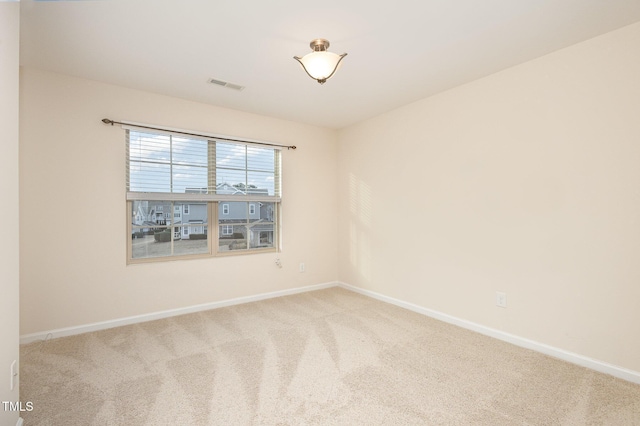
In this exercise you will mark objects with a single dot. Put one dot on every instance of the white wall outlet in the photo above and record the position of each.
(302, 269)
(501, 299)
(14, 374)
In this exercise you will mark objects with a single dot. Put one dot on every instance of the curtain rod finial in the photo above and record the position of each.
(107, 121)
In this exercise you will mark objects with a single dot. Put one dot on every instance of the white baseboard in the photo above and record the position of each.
(103, 325)
(583, 361)
(603, 367)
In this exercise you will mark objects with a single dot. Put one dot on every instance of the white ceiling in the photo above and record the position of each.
(398, 51)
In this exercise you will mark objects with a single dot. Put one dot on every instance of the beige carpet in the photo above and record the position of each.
(329, 357)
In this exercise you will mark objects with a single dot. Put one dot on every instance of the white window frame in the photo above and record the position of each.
(212, 200)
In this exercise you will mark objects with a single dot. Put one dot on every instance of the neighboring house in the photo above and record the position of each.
(194, 218)
(226, 189)
(234, 217)
(154, 214)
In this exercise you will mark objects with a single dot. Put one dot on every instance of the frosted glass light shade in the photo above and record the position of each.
(320, 64)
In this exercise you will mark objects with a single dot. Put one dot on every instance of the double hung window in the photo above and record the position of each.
(197, 197)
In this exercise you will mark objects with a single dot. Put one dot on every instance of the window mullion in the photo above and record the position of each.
(171, 226)
(213, 228)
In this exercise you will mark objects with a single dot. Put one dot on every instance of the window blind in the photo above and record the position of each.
(181, 168)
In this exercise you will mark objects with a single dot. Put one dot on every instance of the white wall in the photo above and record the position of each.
(527, 182)
(9, 271)
(73, 216)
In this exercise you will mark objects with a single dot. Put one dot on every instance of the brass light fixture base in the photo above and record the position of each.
(319, 45)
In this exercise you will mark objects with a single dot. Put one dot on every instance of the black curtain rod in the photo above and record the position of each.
(107, 121)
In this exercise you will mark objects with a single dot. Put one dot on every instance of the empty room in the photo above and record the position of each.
(284, 213)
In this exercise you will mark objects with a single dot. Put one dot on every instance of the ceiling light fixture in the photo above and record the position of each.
(320, 64)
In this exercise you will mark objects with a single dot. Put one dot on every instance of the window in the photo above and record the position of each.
(235, 187)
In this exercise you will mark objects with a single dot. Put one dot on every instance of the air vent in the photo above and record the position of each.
(225, 84)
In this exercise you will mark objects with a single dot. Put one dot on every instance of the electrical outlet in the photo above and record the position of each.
(302, 267)
(14, 374)
(501, 299)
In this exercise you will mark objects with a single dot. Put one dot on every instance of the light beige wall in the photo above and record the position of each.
(73, 219)
(526, 182)
(9, 271)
